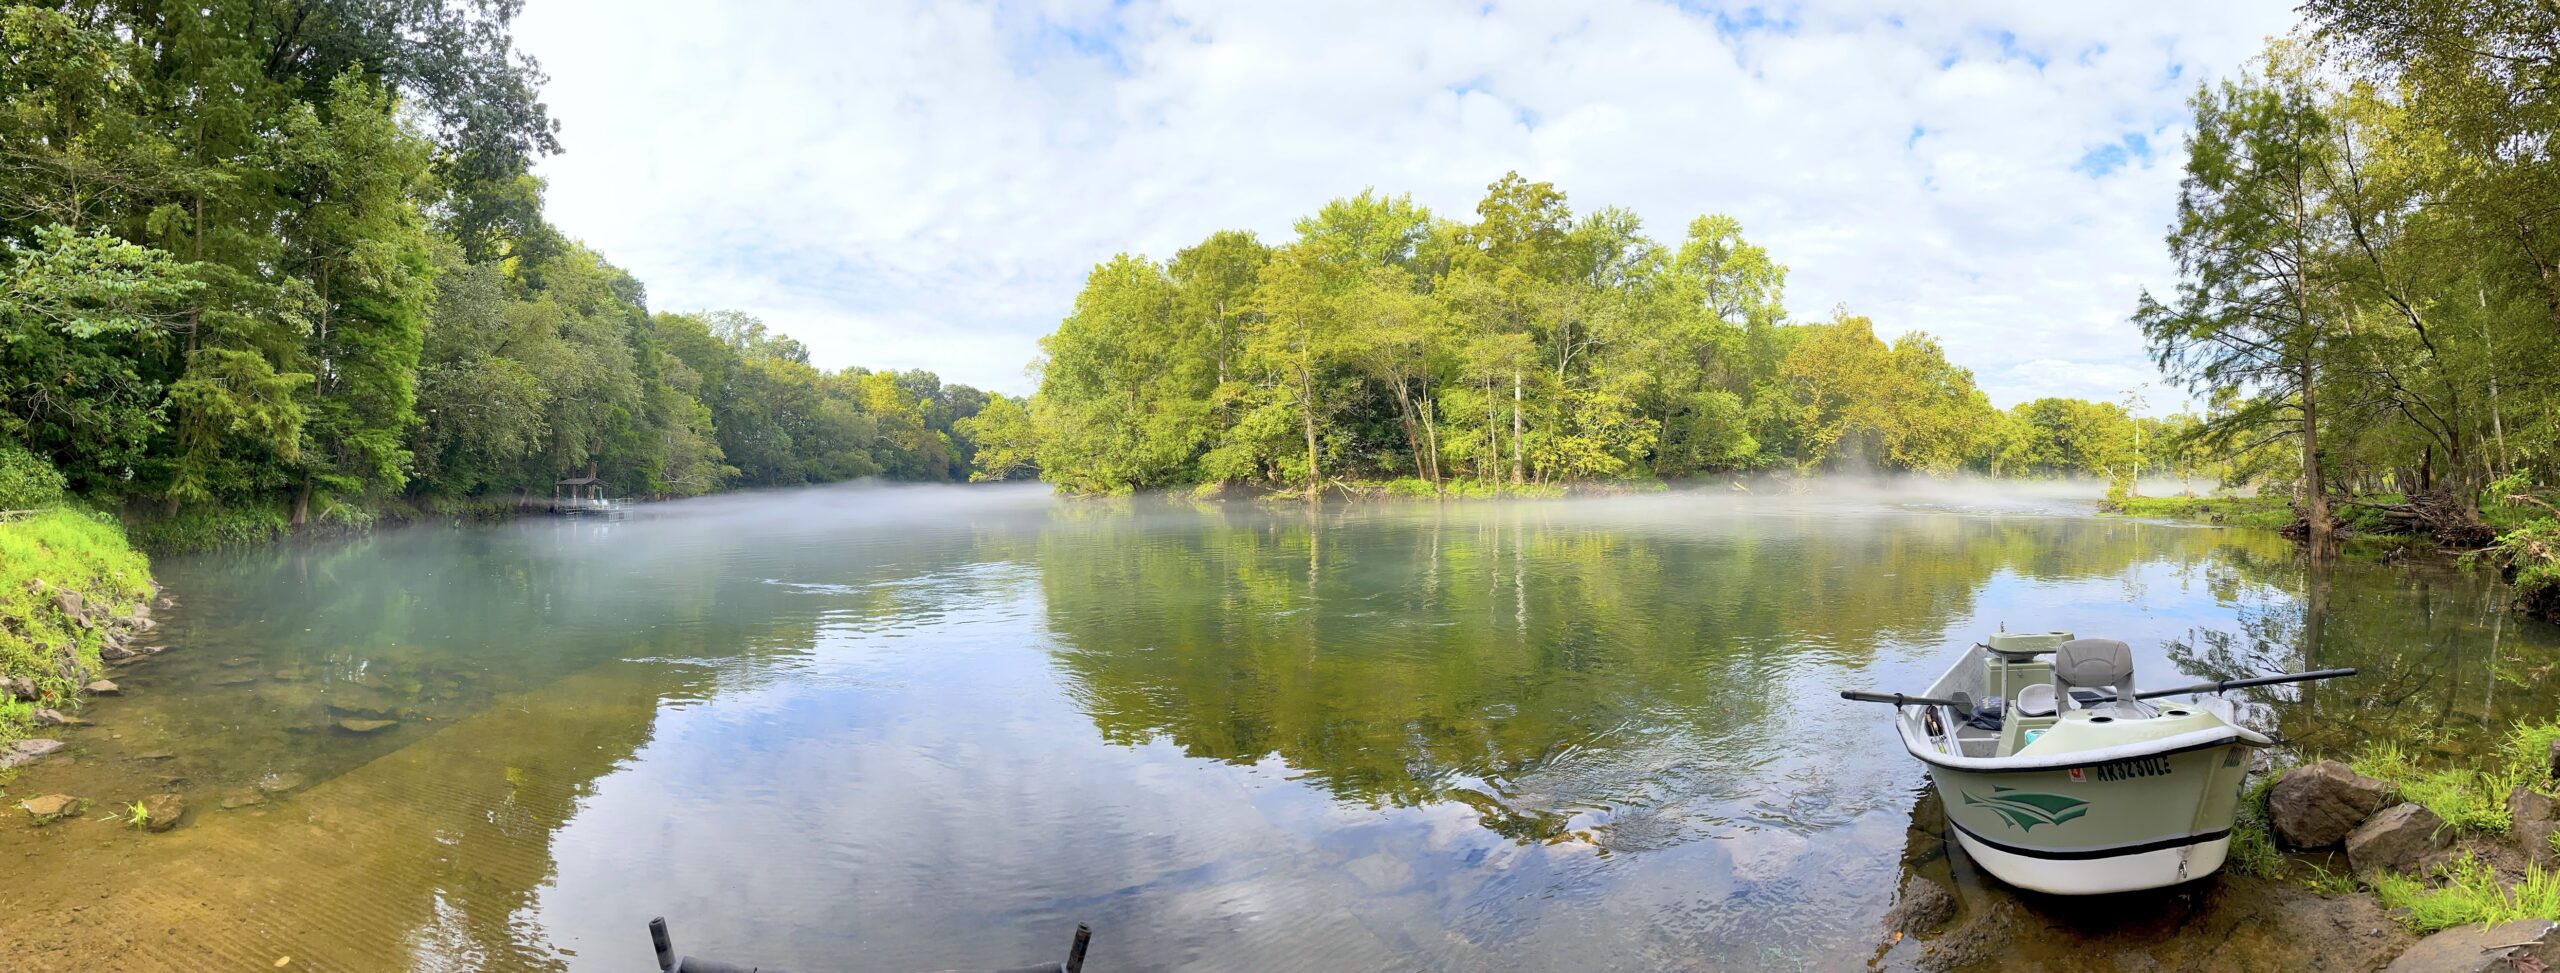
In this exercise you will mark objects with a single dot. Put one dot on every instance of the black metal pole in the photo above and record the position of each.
(1898, 699)
(2215, 687)
(666, 948)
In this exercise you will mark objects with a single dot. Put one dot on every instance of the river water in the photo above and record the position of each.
(871, 728)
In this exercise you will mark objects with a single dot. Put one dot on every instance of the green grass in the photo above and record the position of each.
(59, 549)
(2253, 843)
(2264, 512)
(2331, 885)
(2470, 800)
(2470, 893)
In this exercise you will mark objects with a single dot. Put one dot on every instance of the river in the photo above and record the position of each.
(876, 728)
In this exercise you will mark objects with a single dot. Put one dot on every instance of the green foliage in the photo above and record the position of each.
(206, 528)
(137, 816)
(2466, 892)
(2331, 885)
(27, 481)
(46, 554)
(1530, 348)
(234, 281)
(2253, 843)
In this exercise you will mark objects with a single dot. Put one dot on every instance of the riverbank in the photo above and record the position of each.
(72, 592)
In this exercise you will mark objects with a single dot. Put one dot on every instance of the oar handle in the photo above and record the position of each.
(1897, 699)
(2215, 687)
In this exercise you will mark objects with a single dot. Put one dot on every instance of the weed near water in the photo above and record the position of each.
(2470, 800)
(2470, 893)
(2253, 843)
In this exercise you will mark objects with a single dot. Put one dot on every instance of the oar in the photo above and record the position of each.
(1963, 702)
(2215, 687)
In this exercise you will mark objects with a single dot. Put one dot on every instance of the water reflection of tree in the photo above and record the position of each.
(1524, 662)
(2432, 647)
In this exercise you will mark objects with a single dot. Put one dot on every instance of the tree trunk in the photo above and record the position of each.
(1515, 427)
(302, 502)
(2315, 499)
(1307, 399)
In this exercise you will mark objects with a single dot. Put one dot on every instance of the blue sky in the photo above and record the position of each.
(926, 184)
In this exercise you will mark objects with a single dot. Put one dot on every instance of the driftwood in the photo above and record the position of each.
(2435, 514)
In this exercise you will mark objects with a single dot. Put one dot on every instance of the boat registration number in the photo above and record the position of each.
(2134, 769)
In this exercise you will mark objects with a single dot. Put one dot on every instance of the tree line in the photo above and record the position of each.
(2369, 241)
(285, 259)
(1528, 346)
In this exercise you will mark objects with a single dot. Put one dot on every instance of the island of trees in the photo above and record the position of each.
(1523, 347)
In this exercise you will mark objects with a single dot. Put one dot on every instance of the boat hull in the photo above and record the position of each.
(2135, 823)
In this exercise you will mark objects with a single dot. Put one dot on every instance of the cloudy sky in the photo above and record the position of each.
(926, 184)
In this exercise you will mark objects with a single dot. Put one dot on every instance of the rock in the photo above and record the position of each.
(165, 811)
(2532, 819)
(53, 717)
(279, 783)
(154, 755)
(2554, 760)
(50, 808)
(2401, 836)
(117, 653)
(2316, 806)
(103, 688)
(72, 605)
(358, 711)
(18, 688)
(237, 661)
(1923, 907)
(366, 726)
(25, 752)
(237, 679)
(2521, 946)
(239, 799)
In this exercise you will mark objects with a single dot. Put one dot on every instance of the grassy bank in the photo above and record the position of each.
(213, 528)
(42, 557)
(2270, 513)
(2471, 800)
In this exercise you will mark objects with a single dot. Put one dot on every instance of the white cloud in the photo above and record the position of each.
(926, 184)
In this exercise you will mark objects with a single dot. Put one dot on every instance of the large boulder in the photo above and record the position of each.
(19, 687)
(2401, 836)
(2316, 806)
(2521, 946)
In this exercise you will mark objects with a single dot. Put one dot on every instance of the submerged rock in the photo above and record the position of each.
(2317, 806)
(103, 688)
(50, 808)
(239, 799)
(240, 679)
(26, 752)
(54, 717)
(2514, 947)
(1922, 907)
(164, 811)
(279, 783)
(118, 653)
(366, 726)
(2401, 836)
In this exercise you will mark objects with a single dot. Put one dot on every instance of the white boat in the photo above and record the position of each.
(2057, 776)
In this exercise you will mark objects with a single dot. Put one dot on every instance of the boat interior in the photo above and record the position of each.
(2018, 692)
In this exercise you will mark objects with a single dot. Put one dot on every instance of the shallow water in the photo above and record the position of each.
(875, 728)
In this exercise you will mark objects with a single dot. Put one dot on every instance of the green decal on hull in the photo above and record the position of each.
(2024, 810)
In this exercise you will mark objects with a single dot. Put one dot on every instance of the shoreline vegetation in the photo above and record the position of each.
(73, 594)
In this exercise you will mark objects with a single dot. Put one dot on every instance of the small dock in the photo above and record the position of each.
(586, 496)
